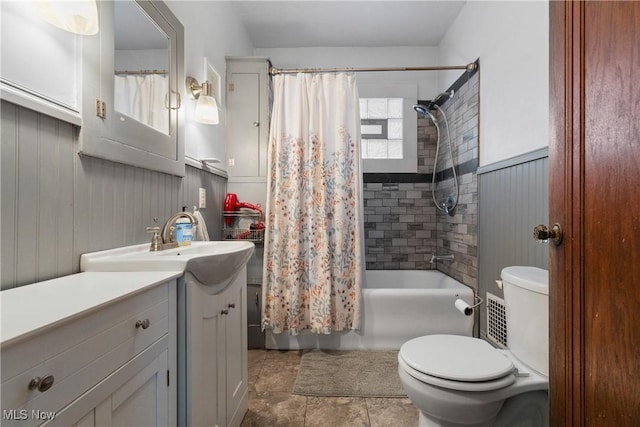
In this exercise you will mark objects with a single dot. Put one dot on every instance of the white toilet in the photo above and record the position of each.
(463, 381)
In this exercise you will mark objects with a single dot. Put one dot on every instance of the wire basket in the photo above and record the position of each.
(243, 234)
(241, 225)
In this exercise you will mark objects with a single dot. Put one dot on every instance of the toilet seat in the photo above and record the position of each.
(456, 362)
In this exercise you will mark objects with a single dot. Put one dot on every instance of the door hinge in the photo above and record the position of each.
(101, 109)
(168, 378)
(232, 87)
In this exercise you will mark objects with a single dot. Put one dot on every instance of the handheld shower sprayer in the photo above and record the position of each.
(449, 206)
(424, 110)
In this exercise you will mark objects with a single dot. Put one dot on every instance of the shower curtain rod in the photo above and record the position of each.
(273, 71)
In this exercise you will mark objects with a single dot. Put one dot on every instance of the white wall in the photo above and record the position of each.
(38, 56)
(211, 30)
(328, 57)
(511, 38)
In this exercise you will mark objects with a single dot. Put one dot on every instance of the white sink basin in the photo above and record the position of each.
(211, 263)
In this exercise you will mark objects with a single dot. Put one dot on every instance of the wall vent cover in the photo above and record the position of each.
(496, 320)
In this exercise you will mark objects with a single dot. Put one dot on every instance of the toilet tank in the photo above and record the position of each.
(526, 299)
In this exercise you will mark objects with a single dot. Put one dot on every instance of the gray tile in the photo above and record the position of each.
(277, 376)
(275, 409)
(336, 412)
(384, 412)
(256, 356)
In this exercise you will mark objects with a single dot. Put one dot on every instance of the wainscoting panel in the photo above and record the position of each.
(37, 196)
(512, 200)
(116, 202)
(57, 205)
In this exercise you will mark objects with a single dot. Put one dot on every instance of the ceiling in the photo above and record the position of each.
(352, 23)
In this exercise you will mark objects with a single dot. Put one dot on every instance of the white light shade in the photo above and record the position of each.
(75, 16)
(207, 110)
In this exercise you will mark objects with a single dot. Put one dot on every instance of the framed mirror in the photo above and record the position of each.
(132, 76)
(141, 61)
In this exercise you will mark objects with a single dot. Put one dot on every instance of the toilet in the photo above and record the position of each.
(463, 381)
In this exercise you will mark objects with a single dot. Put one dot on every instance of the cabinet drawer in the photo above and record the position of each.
(79, 354)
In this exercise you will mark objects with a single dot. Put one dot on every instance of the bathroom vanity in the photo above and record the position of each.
(90, 349)
(211, 334)
(212, 353)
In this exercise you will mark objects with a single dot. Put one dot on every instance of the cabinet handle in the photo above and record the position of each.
(231, 305)
(144, 324)
(223, 312)
(42, 384)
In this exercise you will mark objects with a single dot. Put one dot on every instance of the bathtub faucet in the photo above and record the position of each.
(435, 258)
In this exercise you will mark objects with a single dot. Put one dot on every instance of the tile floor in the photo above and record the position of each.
(272, 375)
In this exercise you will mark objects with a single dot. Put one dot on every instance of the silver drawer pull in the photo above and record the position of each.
(42, 384)
(144, 324)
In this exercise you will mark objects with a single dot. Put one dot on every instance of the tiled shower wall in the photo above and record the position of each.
(402, 226)
(458, 234)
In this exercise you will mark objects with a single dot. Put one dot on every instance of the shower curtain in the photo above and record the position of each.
(142, 97)
(313, 250)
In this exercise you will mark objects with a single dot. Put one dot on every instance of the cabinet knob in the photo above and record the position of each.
(144, 324)
(42, 384)
(256, 124)
(223, 312)
(231, 305)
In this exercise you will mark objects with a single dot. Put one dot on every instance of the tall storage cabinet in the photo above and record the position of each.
(247, 118)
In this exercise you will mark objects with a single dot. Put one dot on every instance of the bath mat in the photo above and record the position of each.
(349, 373)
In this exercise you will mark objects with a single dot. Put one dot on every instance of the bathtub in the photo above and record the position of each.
(398, 305)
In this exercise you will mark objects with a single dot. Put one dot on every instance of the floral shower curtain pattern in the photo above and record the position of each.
(313, 251)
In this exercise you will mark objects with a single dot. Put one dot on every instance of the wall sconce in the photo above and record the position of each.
(78, 17)
(206, 106)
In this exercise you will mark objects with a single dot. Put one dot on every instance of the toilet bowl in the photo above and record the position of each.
(463, 381)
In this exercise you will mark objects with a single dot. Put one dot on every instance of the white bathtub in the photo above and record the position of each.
(398, 305)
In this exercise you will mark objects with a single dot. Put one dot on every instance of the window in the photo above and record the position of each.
(388, 128)
(381, 128)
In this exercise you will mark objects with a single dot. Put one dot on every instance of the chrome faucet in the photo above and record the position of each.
(167, 238)
(435, 258)
(168, 234)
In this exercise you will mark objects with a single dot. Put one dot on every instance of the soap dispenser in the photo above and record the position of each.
(184, 230)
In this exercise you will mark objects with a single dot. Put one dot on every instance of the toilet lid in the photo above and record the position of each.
(456, 358)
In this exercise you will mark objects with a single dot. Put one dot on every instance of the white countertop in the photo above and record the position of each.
(27, 310)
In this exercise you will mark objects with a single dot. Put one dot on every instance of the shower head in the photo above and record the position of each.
(424, 110)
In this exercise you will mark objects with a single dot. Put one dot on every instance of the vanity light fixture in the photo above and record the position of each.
(206, 106)
(78, 17)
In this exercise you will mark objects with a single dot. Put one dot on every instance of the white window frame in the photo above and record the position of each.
(409, 161)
